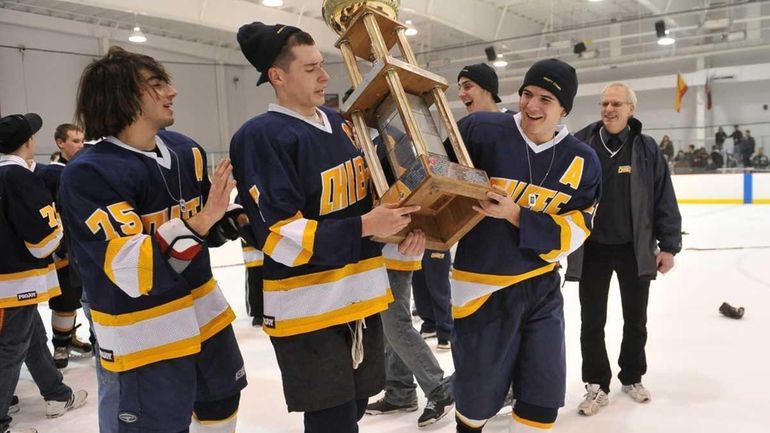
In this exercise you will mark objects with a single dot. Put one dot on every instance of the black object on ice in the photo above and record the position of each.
(730, 311)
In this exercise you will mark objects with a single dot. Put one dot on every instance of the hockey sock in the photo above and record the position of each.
(528, 418)
(62, 322)
(467, 425)
(219, 416)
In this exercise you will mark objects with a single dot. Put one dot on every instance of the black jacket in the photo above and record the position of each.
(654, 211)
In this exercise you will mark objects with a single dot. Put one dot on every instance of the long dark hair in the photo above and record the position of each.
(110, 91)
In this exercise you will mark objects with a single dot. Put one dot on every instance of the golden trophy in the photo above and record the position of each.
(395, 97)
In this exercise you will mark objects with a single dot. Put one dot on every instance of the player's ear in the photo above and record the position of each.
(275, 74)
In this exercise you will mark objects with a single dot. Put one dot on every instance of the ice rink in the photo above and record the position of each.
(706, 373)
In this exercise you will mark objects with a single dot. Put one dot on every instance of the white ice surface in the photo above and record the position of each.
(706, 373)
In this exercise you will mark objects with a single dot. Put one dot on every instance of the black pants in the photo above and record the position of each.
(599, 262)
(338, 419)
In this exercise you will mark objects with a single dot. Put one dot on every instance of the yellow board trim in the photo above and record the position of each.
(324, 277)
(760, 201)
(530, 423)
(177, 349)
(710, 201)
(348, 313)
(126, 319)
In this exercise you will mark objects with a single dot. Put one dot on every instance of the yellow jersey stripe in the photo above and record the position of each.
(217, 324)
(105, 319)
(13, 301)
(324, 277)
(176, 349)
(349, 313)
(204, 289)
(144, 267)
(45, 241)
(26, 274)
(564, 238)
(398, 265)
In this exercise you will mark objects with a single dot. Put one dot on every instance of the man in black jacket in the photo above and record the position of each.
(623, 241)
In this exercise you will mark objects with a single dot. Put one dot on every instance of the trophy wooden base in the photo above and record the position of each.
(445, 192)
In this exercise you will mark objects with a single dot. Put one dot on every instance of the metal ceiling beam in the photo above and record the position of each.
(223, 14)
(472, 17)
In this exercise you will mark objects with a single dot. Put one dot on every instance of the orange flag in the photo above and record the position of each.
(681, 89)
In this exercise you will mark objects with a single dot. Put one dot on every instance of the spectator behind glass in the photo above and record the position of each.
(719, 139)
(667, 148)
(760, 160)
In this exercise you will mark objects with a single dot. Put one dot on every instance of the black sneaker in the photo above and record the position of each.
(435, 410)
(14, 407)
(426, 334)
(443, 344)
(383, 407)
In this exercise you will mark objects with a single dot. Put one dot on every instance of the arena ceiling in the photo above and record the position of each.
(452, 33)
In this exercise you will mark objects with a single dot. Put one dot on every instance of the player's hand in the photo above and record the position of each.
(386, 219)
(501, 206)
(665, 261)
(413, 245)
(218, 199)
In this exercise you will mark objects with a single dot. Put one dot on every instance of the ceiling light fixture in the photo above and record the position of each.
(410, 30)
(662, 33)
(491, 54)
(137, 36)
(500, 62)
(272, 3)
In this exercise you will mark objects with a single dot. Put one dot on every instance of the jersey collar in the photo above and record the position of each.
(561, 132)
(326, 127)
(164, 160)
(14, 159)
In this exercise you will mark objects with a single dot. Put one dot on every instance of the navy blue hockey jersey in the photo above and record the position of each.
(51, 175)
(557, 184)
(146, 275)
(29, 233)
(309, 186)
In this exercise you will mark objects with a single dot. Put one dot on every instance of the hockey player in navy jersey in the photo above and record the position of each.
(506, 300)
(310, 206)
(141, 212)
(69, 139)
(478, 88)
(29, 233)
